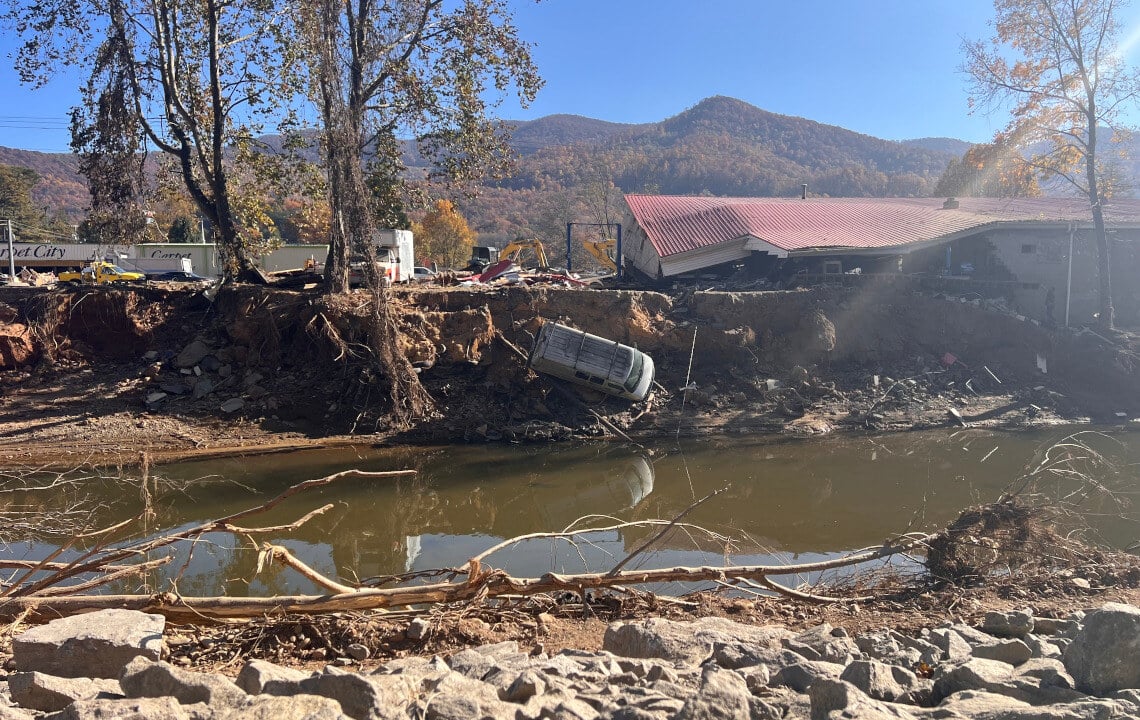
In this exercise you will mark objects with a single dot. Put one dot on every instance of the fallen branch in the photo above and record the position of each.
(489, 584)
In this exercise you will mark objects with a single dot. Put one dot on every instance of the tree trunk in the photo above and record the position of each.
(1103, 265)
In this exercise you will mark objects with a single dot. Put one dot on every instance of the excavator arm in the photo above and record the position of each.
(515, 249)
(601, 250)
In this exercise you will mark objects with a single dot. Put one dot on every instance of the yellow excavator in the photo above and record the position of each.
(601, 250)
(514, 251)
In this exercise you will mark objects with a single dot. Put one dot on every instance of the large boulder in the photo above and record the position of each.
(1105, 654)
(37, 691)
(96, 645)
(144, 678)
(683, 641)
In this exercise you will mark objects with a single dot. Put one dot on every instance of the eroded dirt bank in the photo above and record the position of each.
(109, 374)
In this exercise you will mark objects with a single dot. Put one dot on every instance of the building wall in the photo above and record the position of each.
(1024, 264)
(637, 249)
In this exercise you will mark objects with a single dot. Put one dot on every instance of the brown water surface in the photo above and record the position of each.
(782, 501)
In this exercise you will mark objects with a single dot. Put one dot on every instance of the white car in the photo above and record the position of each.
(422, 274)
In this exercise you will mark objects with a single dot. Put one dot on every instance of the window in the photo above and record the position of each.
(1028, 249)
(832, 267)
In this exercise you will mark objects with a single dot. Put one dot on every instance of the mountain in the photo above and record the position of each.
(952, 146)
(530, 136)
(574, 168)
(61, 188)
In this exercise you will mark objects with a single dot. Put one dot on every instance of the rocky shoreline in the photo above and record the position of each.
(1014, 665)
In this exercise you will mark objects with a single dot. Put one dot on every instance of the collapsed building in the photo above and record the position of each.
(1039, 254)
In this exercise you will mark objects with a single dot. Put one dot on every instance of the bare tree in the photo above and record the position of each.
(406, 68)
(1055, 63)
(194, 78)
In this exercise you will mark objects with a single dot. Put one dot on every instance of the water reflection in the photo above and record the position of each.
(783, 501)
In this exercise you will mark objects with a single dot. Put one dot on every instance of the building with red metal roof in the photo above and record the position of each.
(677, 234)
(1031, 245)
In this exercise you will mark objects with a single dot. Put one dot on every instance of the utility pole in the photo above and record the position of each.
(11, 253)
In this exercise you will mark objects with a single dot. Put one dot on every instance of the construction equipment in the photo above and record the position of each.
(515, 249)
(482, 257)
(601, 251)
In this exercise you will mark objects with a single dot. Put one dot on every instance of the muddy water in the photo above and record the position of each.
(780, 502)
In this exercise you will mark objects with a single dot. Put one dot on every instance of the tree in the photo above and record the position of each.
(444, 236)
(193, 78)
(419, 67)
(994, 169)
(423, 68)
(1055, 63)
(182, 230)
(30, 222)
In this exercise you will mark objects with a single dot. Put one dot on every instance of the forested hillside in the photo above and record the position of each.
(573, 168)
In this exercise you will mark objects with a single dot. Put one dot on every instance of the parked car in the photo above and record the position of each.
(177, 276)
(422, 274)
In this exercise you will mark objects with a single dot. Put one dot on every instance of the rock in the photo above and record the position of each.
(360, 697)
(1048, 673)
(1055, 626)
(977, 704)
(155, 397)
(295, 707)
(150, 355)
(974, 674)
(210, 363)
(1105, 655)
(801, 676)
(11, 713)
(722, 694)
(734, 656)
(146, 678)
(1042, 648)
(232, 405)
(837, 699)
(878, 680)
(451, 707)
(1013, 652)
(824, 643)
(202, 388)
(174, 387)
(96, 645)
(358, 651)
(1012, 624)
(162, 708)
(192, 354)
(260, 677)
(684, 642)
(418, 629)
(37, 691)
(952, 645)
(528, 684)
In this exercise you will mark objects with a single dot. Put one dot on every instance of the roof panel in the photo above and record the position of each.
(676, 224)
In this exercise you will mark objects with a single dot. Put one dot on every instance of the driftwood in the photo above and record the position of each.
(487, 584)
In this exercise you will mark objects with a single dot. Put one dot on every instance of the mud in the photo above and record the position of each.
(82, 372)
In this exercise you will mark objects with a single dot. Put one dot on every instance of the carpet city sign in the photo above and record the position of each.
(53, 254)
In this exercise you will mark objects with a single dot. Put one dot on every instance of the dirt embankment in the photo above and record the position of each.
(101, 371)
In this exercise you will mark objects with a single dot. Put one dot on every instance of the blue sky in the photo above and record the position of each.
(887, 68)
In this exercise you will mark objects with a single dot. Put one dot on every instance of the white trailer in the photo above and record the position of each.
(155, 266)
(395, 251)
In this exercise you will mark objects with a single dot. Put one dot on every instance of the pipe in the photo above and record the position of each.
(1069, 280)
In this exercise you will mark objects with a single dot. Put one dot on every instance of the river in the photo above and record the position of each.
(781, 501)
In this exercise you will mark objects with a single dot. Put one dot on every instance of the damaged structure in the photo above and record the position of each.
(1039, 254)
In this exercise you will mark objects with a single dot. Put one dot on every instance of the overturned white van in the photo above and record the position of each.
(593, 361)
